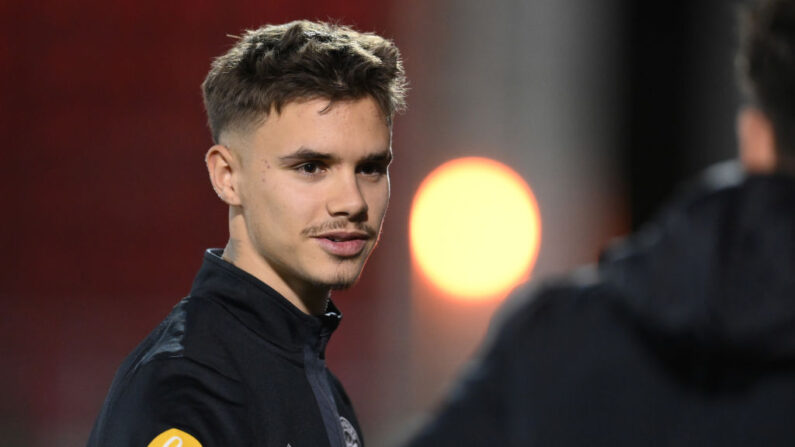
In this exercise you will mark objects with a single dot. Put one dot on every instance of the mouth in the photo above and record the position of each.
(344, 244)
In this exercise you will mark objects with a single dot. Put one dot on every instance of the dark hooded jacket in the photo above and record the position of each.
(684, 334)
(234, 364)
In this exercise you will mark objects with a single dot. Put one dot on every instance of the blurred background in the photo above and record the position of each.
(600, 107)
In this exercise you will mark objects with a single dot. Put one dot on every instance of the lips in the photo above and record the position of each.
(342, 244)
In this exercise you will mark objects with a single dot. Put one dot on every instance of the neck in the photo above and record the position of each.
(308, 299)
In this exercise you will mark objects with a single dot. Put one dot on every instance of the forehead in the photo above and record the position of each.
(350, 126)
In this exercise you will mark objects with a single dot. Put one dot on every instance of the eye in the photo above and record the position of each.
(309, 168)
(372, 169)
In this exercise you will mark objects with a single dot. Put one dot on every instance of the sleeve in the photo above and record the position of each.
(174, 401)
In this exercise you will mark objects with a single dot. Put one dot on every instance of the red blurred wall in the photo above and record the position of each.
(107, 208)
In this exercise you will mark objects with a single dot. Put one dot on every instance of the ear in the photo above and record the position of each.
(756, 140)
(223, 169)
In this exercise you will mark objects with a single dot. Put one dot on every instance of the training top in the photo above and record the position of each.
(233, 364)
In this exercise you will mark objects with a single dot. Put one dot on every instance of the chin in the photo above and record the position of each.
(343, 281)
(342, 285)
(340, 280)
(340, 275)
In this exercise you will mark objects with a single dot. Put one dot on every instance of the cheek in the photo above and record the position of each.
(378, 199)
(255, 181)
(264, 172)
(296, 204)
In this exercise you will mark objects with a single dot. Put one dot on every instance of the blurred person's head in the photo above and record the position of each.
(766, 68)
(301, 116)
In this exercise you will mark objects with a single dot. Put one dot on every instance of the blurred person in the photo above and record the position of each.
(684, 333)
(301, 117)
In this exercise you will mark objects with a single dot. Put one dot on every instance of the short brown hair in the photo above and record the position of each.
(766, 65)
(275, 64)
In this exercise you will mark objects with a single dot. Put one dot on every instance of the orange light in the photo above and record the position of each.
(475, 228)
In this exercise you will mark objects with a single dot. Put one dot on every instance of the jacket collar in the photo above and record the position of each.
(262, 309)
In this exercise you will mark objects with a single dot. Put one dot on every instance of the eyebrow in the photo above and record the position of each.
(384, 157)
(306, 154)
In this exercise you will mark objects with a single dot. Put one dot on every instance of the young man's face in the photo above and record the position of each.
(314, 188)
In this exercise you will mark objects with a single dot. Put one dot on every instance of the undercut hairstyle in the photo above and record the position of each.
(276, 64)
(766, 66)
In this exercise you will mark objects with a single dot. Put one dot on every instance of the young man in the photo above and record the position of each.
(301, 115)
(683, 334)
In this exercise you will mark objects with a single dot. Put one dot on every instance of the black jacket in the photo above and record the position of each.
(233, 364)
(683, 335)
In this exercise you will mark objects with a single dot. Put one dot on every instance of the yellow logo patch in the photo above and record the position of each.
(174, 438)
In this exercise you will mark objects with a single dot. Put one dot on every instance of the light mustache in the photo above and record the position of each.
(337, 225)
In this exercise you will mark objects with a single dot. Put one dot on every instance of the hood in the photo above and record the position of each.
(716, 270)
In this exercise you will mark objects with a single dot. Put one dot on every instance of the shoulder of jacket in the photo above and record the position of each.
(533, 297)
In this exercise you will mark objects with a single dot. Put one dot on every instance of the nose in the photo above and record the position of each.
(346, 199)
